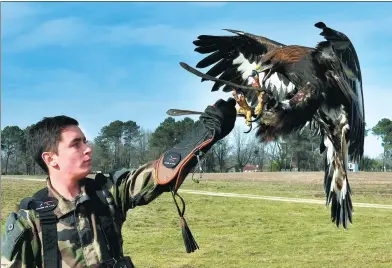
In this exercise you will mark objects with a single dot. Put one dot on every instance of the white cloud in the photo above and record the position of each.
(177, 39)
(15, 11)
(15, 15)
(60, 32)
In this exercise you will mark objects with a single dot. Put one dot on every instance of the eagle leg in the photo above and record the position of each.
(258, 112)
(243, 108)
(260, 95)
(259, 108)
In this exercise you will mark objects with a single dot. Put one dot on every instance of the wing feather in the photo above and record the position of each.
(233, 58)
(211, 59)
(222, 66)
(345, 51)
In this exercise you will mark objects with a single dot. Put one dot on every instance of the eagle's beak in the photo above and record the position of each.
(264, 68)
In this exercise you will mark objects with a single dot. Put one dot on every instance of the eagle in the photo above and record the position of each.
(284, 88)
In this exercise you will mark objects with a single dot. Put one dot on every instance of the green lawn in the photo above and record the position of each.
(370, 193)
(238, 232)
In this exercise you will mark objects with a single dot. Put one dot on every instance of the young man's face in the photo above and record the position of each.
(74, 154)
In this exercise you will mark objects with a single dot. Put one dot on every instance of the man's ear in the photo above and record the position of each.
(50, 158)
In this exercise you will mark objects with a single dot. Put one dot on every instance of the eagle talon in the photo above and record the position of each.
(249, 130)
(257, 118)
(260, 105)
(244, 107)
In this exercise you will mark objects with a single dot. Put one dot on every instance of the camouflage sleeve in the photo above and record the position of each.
(132, 188)
(19, 246)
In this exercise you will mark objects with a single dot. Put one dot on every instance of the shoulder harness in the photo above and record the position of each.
(45, 205)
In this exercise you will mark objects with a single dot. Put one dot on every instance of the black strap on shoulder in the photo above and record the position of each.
(105, 209)
(44, 206)
(116, 175)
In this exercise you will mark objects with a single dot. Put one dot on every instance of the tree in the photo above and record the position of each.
(27, 157)
(168, 133)
(116, 143)
(163, 137)
(259, 154)
(303, 147)
(277, 154)
(243, 148)
(113, 133)
(221, 151)
(11, 141)
(370, 164)
(367, 130)
(208, 163)
(131, 132)
(101, 158)
(383, 130)
(142, 147)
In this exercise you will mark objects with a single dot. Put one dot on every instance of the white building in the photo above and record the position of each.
(353, 167)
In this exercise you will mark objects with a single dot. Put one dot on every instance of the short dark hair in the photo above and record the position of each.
(45, 135)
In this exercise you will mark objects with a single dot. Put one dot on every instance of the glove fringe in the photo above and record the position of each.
(189, 241)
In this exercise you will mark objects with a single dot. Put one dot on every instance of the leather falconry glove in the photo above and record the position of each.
(215, 123)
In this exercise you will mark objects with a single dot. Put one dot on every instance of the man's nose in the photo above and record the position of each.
(89, 149)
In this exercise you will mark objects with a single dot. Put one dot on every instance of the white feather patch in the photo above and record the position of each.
(281, 84)
(330, 149)
(275, 83)
(246, 67)
(337, 115)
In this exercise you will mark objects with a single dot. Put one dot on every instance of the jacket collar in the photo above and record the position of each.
(65, 206)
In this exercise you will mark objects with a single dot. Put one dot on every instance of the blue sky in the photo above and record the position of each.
(100, 62)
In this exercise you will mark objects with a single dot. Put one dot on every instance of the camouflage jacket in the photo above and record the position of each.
(76, 229)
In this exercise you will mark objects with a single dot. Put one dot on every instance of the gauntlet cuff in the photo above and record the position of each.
(174, 165)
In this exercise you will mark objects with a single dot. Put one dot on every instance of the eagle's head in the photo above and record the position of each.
(268, 65)
(282, 59)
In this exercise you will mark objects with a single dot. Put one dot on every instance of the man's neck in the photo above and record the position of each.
(67, 188)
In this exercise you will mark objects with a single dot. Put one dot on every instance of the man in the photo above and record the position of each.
(76, 221)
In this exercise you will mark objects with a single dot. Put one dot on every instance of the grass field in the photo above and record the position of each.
(238, 232)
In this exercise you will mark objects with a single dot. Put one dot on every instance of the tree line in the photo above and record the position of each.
(125, 144)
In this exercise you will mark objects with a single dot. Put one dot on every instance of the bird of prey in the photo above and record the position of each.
(287, 87)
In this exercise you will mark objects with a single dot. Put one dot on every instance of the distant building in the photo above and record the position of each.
(353, 167)
(251, 168)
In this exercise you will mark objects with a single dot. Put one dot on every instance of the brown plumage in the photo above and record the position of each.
(289, 54)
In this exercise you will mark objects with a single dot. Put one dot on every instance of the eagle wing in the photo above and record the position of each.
(348, 57)
(233, 58)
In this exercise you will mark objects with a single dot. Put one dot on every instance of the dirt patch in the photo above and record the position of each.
(300, 177)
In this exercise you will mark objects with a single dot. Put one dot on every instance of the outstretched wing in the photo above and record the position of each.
(233, 58)
(345, 51)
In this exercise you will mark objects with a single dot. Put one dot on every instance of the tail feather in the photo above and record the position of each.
(338, 197)
(342, 208)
